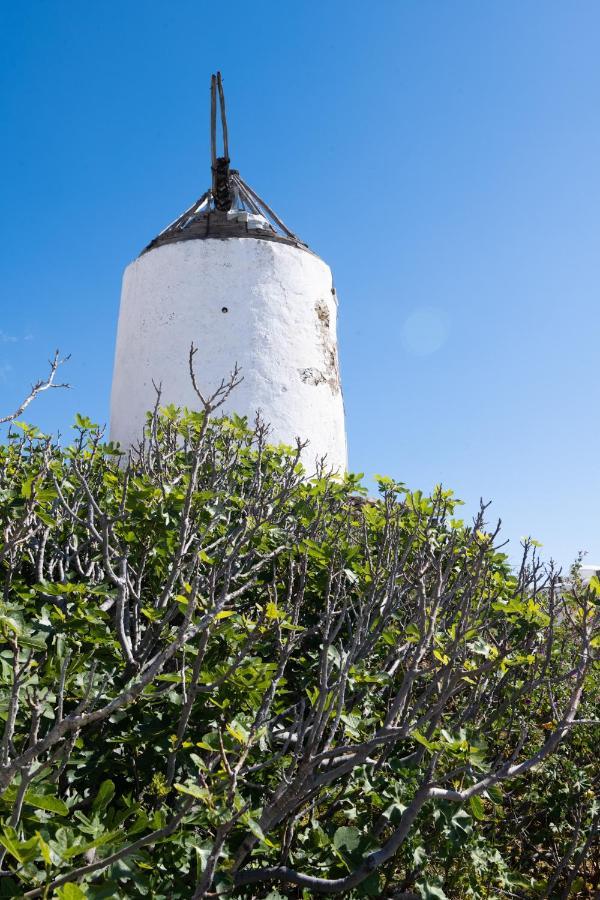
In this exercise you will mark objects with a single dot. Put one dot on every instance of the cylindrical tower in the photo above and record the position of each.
(230, 278)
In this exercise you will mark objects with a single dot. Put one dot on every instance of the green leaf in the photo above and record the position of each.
(461, 820)
(33, 641)
(430, 890)
(47, 802)
(26, 487)
(153, 614)
(419, 856)
(203, 852)
(594, 585)
(272, 611)
(46, 494)
(45, 518)
(477, 808)
(412, 633)
(351, 576)
(70, 891)
(78, 849)
(44, 848)
(394, 812)
(105, 794)
(352, 723)
(257, 830)
(421, 739)
(346, 838)
(238, 732)
(495, 794)
(9, 841)
(83, 422)
(23, 851)
(193, 791)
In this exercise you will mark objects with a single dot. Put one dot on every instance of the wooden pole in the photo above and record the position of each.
(268, 209)
(185, 215)
(245, 195)
(223, 116)
(213, 128)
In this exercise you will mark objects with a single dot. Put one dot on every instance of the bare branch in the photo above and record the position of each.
(43, 384)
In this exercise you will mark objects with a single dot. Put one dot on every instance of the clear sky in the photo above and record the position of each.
(443, 157)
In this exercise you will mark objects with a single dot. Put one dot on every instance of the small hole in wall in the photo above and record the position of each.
(224, 309)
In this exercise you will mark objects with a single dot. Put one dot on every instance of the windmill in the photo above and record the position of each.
(230, 277)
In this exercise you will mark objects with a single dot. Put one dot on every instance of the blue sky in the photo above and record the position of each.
(443, 158)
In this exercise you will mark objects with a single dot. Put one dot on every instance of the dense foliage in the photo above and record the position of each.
(220, 676)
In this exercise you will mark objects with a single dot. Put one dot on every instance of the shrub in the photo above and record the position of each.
(219, 675)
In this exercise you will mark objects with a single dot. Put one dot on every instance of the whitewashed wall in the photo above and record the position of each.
(268, 306)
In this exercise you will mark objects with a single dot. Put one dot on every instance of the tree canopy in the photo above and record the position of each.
(221, 677)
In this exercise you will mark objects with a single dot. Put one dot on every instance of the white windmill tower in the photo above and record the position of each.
(229, 276)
